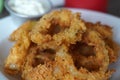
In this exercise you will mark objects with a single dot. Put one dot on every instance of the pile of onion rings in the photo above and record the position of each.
(62, 46)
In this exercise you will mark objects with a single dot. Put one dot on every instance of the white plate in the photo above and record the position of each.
(7, 26)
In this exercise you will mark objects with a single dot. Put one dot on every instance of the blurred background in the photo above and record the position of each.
(112, 7)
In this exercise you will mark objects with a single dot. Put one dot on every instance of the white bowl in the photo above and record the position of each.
(20, 18)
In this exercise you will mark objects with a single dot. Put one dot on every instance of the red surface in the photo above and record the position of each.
(99, 5)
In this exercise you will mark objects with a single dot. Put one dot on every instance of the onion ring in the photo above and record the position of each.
(37, 66)
(64, 64)
(107, 35)
(43, 31)
(61, 46)
(18, 52)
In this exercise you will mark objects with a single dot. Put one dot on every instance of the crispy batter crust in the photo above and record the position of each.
(62, 46)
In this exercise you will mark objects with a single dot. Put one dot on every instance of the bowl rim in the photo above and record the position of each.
(22, 15)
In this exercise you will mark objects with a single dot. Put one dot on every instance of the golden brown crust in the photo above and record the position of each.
(62, 46)
(18, 52)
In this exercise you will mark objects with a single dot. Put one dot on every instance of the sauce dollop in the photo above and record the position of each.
(27, 7)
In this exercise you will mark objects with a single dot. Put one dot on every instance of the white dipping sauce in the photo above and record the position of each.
(27, 7)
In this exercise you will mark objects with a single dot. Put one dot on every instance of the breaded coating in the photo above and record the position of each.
(14, 61)
(62, 46)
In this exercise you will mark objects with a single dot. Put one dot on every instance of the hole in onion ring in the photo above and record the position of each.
(54, 29)
(43, 56)
(83, 56)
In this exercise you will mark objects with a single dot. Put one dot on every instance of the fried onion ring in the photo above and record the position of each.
(70, 25)
(107, 35)
(18, 52)
(62, 46)
(64, 64)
